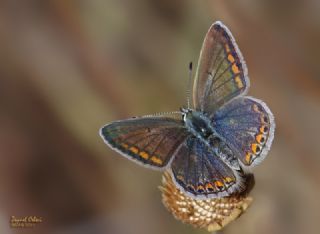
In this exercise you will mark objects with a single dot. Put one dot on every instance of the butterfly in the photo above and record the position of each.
(211, 146)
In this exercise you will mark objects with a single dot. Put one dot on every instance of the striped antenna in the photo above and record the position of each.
(189, 85)
(162, 114)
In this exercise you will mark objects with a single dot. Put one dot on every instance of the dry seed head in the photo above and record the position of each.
(212, 214)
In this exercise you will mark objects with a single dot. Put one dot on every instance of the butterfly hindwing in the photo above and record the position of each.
(247, 125)
(199, 172)
(148, 141)
(221, 74)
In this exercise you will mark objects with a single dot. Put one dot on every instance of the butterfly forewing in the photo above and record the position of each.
(247, 126)
(199, 172)
(221, 74)
(148, 141)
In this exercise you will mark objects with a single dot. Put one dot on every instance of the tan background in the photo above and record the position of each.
(68, 67)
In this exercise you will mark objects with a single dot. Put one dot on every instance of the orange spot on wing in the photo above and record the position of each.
(144, 155)
(218, 184)
(156, 160)
(262, 128)
(248, 157)
(124, 145)
(228, 180)
(227, 48)
(239, 82)
(200, 187)
(231, 58)
(260, 138)
(255, 148)
(209, 187)
(134, 149)
(235, 68)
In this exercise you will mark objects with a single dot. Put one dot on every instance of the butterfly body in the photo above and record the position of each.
(209, 147)
(201, 126)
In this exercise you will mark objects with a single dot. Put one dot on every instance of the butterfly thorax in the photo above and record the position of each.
(198, 124)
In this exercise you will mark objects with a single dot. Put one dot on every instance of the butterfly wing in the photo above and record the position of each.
(247, 126)
(221, 74)
(199, 172)
(148, 141)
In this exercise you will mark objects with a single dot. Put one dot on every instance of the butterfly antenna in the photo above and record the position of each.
(162, 114)
(189, 85)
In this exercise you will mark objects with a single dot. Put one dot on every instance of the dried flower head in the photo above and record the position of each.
(212, 214)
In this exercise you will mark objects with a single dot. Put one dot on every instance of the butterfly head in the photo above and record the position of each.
(187, 114)
(185, 111)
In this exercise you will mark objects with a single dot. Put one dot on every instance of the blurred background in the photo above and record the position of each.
(69, 67)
